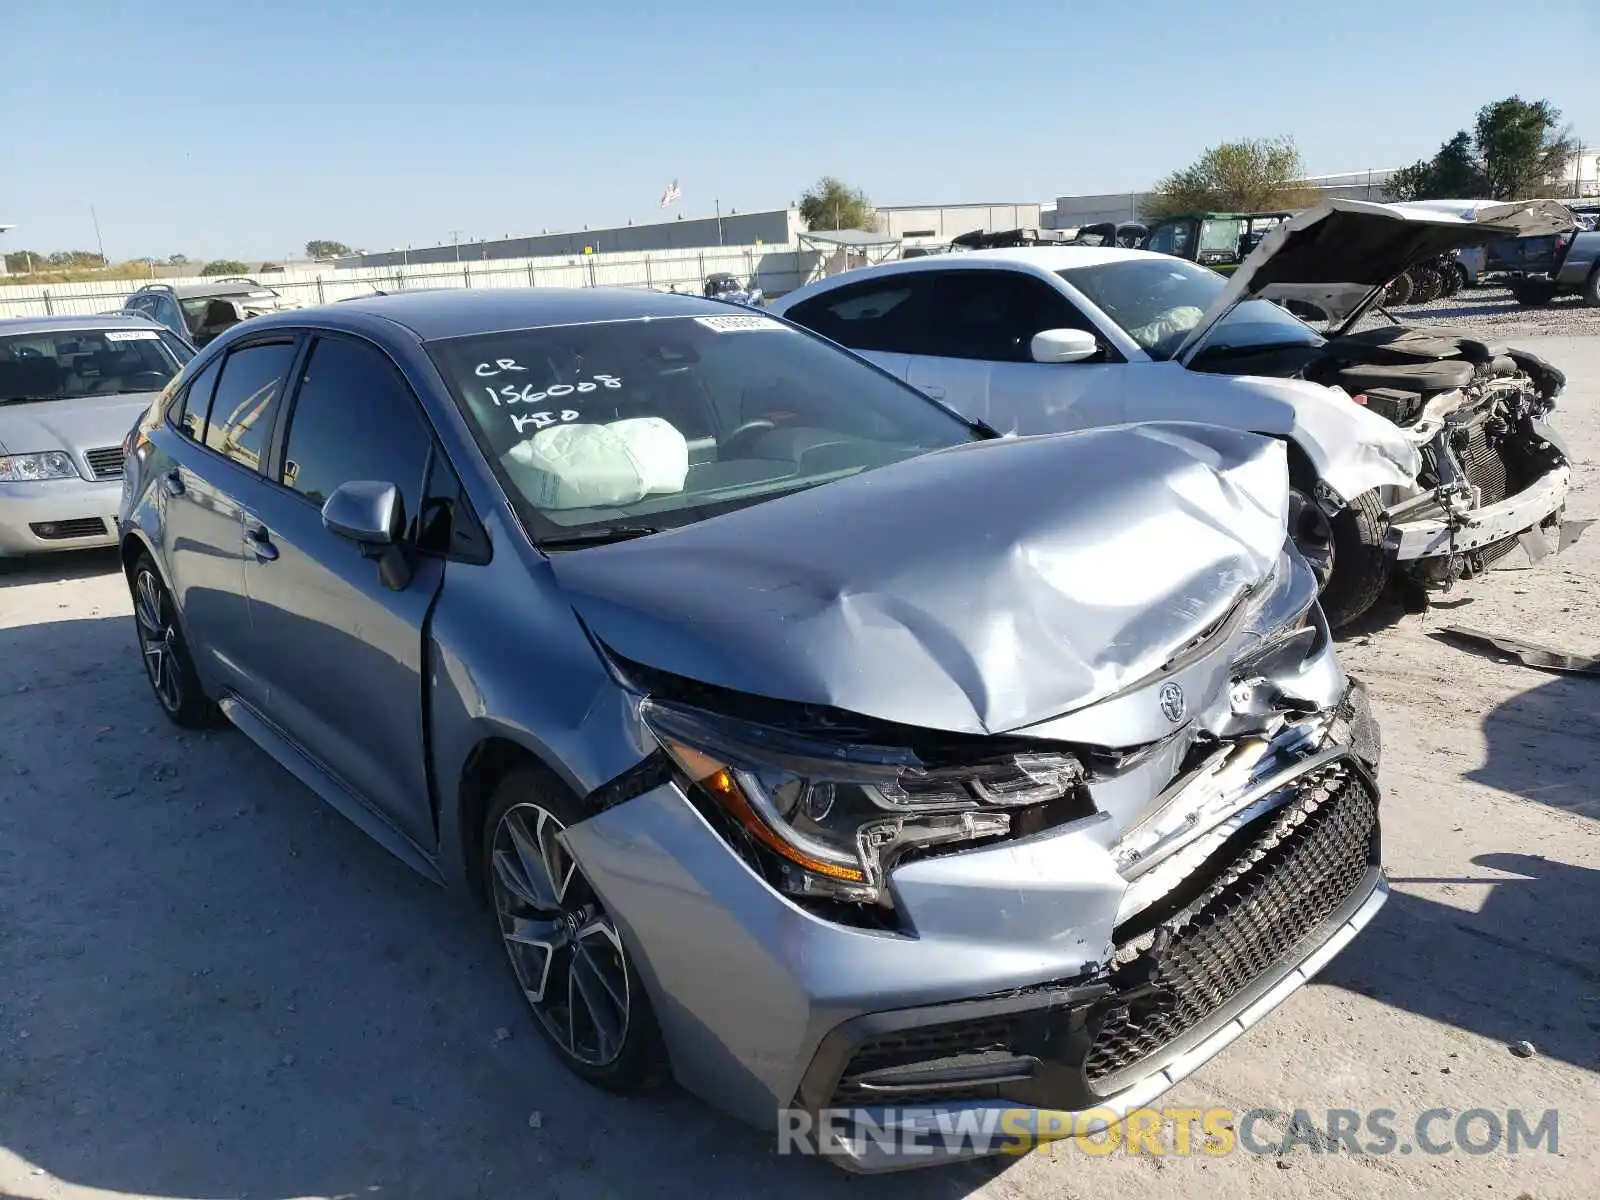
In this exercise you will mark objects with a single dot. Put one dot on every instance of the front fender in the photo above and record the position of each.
(1352, 449)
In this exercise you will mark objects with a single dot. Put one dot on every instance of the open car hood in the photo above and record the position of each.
(979, 589)
(1340, 255)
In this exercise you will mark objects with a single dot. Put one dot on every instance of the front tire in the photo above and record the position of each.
(167, 661)
(564, 949)
(1361, 565)
(1591, 289)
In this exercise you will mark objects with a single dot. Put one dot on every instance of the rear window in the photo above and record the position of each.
(67, 364)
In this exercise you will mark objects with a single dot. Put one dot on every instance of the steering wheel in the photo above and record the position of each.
(744, 433)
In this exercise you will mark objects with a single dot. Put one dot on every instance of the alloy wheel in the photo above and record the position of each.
(1312, 534)
(564, 948)
(158, 639)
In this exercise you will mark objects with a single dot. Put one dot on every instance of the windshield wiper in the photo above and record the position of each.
(31, 399)
(600, 535)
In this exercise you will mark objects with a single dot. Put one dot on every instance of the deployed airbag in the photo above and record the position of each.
(600, 466)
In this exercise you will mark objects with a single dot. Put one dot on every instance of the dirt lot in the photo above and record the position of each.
(211, 985)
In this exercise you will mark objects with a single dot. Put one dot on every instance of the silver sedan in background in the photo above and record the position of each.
(804, 739)
(70, 389)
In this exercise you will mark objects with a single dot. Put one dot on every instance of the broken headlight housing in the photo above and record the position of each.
(826, 821)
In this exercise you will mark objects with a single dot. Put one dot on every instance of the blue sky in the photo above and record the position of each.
(246, 129)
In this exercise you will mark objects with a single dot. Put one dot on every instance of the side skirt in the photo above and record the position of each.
(330, 789)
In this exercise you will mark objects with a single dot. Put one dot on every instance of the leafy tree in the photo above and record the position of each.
(1522, 146)
(177, 260)
(77, 258)
(21, 262)
(1517, 148)
(831, 204)
(1259, 174)
(224, 266)
(321, 249)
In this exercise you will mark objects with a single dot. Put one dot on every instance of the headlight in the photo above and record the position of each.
(828, 821)
(26, 468)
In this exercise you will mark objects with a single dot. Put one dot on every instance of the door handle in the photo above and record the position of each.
(172, 483)
(260, 543)
(934, 390)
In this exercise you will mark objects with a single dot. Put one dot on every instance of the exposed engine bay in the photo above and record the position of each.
(1476, 413)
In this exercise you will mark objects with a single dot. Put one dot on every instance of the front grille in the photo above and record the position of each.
(55, 531)
(105, 462)
(1250, 911)
(1300, 863)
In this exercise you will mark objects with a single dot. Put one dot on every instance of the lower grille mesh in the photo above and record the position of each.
(1254, 922)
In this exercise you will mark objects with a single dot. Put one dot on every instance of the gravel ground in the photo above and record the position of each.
(1494, 311)
(211, 985)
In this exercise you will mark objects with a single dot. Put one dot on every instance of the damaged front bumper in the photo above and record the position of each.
(1423, 528)
(1024, 975)
(1496, 487)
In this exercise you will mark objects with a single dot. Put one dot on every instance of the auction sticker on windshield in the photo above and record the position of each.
(738, 324)
(131, 335)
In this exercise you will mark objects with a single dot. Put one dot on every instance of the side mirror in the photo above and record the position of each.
(1063, 346)
(372, 515)
(366, 511)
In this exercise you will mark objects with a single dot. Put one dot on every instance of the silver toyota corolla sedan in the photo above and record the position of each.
(803, 739)
(69, 389)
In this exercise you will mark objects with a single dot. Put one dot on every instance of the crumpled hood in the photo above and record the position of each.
(76, 424)
(1338, 254)
(973, 590)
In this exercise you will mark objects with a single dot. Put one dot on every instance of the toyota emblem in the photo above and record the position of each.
(1172, 702)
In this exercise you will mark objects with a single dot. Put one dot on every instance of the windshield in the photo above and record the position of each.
(1158, 301)
(664, 422)
(87, 362)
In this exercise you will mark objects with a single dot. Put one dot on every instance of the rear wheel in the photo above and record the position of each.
(565, 950)
(1591, 289)
(1359, 570)
(167, 661)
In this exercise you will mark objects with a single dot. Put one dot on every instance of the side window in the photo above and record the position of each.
(991, 315)
(874, 315)
(246, 401)
(354, 418)
(188, 415)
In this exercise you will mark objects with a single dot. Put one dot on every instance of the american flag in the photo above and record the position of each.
(672, 194)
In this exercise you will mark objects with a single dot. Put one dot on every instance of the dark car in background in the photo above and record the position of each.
(201, 311)
(1538, 269)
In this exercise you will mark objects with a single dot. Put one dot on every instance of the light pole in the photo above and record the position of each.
(455, 238)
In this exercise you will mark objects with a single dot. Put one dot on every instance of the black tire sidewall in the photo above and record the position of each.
(642, 1061)
(1361, 563)
(195, 709)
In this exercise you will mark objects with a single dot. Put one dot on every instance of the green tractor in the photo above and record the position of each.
(1218, 240)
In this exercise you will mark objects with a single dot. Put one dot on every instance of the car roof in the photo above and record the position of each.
(11, 326)
(1040, 259)
(447, 313)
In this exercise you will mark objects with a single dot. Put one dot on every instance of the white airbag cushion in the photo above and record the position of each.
(600, 466)
(661, 451)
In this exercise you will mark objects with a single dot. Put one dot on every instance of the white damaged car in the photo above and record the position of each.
(1412, 450)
